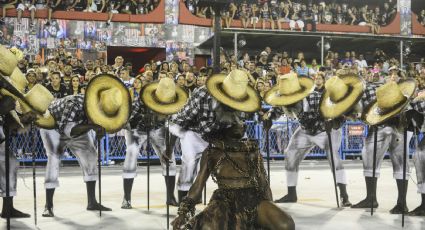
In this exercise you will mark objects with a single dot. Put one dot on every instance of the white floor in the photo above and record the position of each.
(316, 208)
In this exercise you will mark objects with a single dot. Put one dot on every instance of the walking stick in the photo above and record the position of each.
(99, 166)
(404, 174)
(328, 132)
(7, 168)
(149, 160)
(33, 171)
(375, 140)
(167, 172)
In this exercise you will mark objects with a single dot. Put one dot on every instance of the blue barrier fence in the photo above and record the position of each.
(353, 134)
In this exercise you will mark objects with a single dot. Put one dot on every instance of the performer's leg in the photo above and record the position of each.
(272, 217)
(54, 149)
(192, 146)
(419, 160)
(8, 210)
(134, 142)
(396, 151)
(159, 146)
(298, 147)
(383, 142)
(322, 141)
(85, 150)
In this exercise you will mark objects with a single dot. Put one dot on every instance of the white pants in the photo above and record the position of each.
(22, 7)
(135, 140)
(12, 168)
(300, 145)
(419, 161)
(83, 147)
(390, 139)
(192, 146)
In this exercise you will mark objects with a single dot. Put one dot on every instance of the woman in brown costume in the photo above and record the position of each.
(243, 199)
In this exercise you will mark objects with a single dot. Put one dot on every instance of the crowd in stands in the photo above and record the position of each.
(98, 6)
(65, 74)
(299, 13)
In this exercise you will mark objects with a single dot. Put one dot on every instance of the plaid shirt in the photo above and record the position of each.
(310, 120)
(198, 114)
(142, 118)
(68, 109)
(369, 95)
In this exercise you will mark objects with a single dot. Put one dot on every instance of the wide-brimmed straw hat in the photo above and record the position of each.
(341, 94)
(234, 91)
(164, 97)
(290, 89)
(107, 102)
(391, 99)
(8, 61)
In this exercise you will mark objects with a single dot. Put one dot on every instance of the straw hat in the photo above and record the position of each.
(233, 90)
(341, 94)
(107, 102)
(290, 89)
(164, 97)
(391, 99)
(8, 61)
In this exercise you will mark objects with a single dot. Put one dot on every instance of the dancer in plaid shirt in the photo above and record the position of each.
(67, 113)
(389, 140)
(151, 117)
(310, 133)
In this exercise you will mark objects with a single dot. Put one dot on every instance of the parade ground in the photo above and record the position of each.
(316, 207)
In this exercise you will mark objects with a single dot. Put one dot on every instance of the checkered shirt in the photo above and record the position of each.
(142, 118)
(369, 95)
(311, 121)
(198, 114)
(68, 109)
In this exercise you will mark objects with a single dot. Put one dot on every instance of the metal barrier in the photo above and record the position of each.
(353, 134)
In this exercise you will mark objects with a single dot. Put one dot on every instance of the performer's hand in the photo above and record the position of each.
(179, 222)
(7, 103)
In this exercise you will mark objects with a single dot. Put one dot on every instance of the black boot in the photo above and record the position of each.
(398, 208)
(9, 211)
(92, 204)
(181, 195)
(170, 183)
(345, 202)
(48, 209)
(371, 191)
(291, 197)
(420, 210)
(128, 185)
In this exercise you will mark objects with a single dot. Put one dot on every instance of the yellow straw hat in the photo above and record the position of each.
(8, 61)
(107, 102)
(341, 94)
(233, 90)
(290, 89)
(164, 97)
(391, 99)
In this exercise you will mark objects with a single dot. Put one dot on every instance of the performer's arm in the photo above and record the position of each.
(187, 206)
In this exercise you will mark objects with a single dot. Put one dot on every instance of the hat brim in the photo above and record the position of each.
(372, 114)
(332, 110)
(151, 101)
(92, 103)
(274, 98)
(251, 103)
(45, 122)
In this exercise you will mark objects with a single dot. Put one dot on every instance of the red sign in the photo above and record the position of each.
(355, 130)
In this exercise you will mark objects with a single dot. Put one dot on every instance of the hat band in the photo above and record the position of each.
(349, 91)
(156, 99)
(220, 88)
(382, 112)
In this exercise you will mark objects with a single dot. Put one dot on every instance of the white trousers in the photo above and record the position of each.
(390, 139)
(300, 145)
(135, 140)
(12, 168)
(419, 161)
(83, 147)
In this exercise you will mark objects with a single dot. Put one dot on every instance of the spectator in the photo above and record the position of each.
(314, 68)
(285, 67)
(114, 7)
(26, 5)
(244, 14)
(74, 86)
(118, 65)
(421, 17)
(136, 88)
(56, 87)
(190, 83)
(52, 6)
(266, 16)
(128, 7)
(296, 20)
(97, 6)
(254, 15)
(67, 74)
(31, 77)
(181, 80)
(307, 16)
(5, 5)
(302, 70)
(125, 77)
